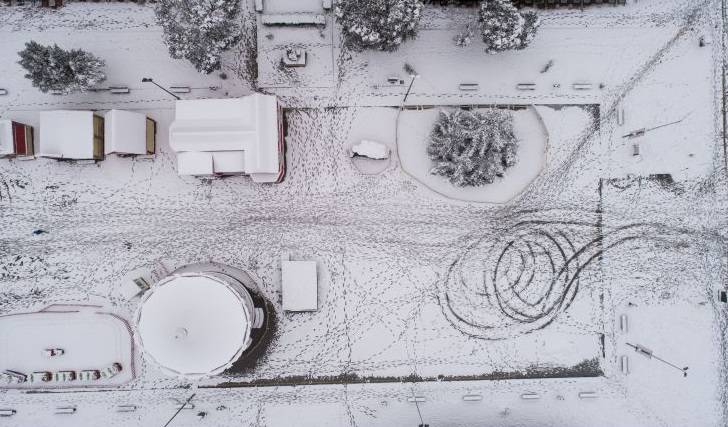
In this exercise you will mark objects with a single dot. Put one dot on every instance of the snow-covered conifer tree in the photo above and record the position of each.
(504, 28)
(472, 148)
(199, 30)
(378, 24)
(530, 26)
(53, 68)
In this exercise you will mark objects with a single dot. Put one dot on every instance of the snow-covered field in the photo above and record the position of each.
(419, 294)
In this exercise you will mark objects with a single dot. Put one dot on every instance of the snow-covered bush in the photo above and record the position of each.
(378, 24)
(503, 27)
(472, 148)
(53, 68)
(199, 30)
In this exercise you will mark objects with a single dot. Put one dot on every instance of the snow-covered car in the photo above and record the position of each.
(12, 377)
(53, 352)
(111, 371)
(7, 412)
(40, 376)
(89, 375)
(64, 376)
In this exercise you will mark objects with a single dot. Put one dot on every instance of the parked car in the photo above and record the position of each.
(64, 376)
(111, 371)
(12, 377)
(89, 375)
(53, 352)
(7, 412)
(40, 376)
(67, 410)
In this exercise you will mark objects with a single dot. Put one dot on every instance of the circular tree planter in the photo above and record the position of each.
(413, 138)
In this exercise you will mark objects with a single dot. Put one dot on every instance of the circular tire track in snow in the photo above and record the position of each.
(524, 280)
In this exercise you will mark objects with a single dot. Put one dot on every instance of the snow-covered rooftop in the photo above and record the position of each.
(125, 132)
(194, 324)
(228, 136)
(67, 134)
(299, 285)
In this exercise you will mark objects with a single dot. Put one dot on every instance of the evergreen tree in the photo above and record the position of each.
(503, 27)
(378, 24)
(472, 148)
(53, 68)
(199, 30)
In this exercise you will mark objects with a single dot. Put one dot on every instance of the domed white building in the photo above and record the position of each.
(197, 322)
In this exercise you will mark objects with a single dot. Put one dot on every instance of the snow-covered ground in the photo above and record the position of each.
(428, 296)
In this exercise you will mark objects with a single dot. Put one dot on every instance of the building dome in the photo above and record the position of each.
(196, 324)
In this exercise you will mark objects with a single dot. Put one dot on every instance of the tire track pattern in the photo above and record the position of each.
(531, 275)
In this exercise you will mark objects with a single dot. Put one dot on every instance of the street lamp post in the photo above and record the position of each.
(650, 355)
(149, 80)
(412, 82)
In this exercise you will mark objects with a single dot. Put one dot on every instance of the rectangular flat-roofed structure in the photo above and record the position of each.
(299, 285)
(229, 137)
(126, 132)
(66, 134)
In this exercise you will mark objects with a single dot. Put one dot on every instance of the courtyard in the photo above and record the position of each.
(424, 298)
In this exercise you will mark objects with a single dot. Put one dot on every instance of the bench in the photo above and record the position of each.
(526, 86)
(293, 19)
(3, 91)
(180, 89)
(118, 90)
(582, 86)
(469, 86)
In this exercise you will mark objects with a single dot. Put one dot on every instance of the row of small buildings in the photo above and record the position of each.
(238, 136)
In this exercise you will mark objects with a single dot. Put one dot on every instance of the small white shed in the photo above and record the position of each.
(299, 285)
(66, 134)
(126, 132)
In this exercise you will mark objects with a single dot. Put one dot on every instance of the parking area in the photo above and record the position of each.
(66, 346)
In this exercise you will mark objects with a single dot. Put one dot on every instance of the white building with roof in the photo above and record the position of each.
(299, 285)
(230, 136)
(197, 323)
(67, 134)
(127, 132)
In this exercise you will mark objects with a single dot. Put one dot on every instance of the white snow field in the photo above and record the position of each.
(431, 310)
